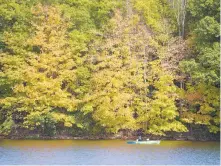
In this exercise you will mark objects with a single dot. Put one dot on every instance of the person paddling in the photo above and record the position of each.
(139, 138)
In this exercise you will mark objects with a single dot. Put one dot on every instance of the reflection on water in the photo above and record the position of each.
(107, 152)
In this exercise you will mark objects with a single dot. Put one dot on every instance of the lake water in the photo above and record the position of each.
(106, 152)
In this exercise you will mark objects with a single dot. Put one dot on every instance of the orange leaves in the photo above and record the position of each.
(194, 97)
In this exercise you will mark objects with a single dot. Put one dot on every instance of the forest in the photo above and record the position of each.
(92, 67)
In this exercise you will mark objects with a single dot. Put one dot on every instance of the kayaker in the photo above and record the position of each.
(139, 138)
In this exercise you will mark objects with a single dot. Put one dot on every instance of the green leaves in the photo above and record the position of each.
(202, 69)
(5, 127)
(207, 30)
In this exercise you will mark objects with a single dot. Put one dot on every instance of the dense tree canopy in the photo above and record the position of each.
(100, 66)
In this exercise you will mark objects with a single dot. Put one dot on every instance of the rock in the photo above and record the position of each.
(191, 138)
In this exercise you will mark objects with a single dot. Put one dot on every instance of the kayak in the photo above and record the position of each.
(144, 142)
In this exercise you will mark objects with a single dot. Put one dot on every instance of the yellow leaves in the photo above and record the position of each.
(37, 123)
(5, 127)
(68, 120)
(217, 119)
(190, 117)
(50, 30)
(7, 102)
(127, 74)
(160, 127)
(213, 129)
(38, 40)
(116, 83)
(135, 20)
(67, 124)
(113, 111)
(58, 116)
(19, 88)
(52, 14)
(87, 108)
(163, 38)
(162, 110)
(178, 127)
(180, 92)
(206, 109)
(63, 103)
(153, 12)
(207, 98)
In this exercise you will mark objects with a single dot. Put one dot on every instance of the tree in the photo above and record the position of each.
(202, 66)
(41, 87)
(112, 93)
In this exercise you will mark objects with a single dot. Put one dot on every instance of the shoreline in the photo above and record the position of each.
(98, 138)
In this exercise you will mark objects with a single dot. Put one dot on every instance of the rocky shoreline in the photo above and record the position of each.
(196, 133)
(65, 137)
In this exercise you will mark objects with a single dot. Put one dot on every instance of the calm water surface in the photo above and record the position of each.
(108, 152)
